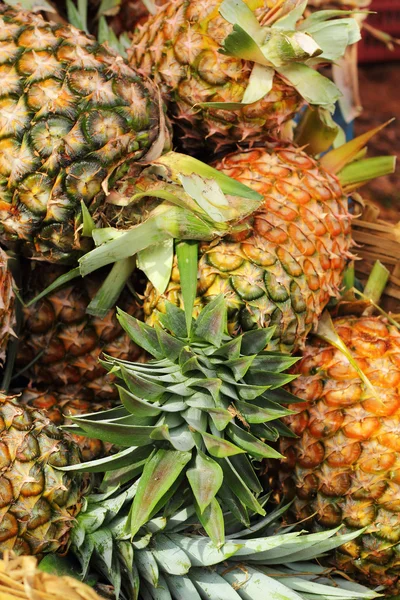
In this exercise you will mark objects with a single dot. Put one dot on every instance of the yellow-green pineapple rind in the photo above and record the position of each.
(71, 112)
(284, 270)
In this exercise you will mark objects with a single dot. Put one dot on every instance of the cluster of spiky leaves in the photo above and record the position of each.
(170, 559)
(235, 71)
(71, 112)
(201, 412)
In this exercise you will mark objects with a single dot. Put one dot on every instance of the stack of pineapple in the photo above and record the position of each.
(159, 310)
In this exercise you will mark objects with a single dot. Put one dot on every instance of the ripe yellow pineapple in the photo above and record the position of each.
(237, 71)
(38, 501)
(7, 300)
(286, 267)
(64, 343)
(72, 113)
(344, 467)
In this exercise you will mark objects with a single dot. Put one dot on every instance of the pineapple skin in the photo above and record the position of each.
(285, 267)
(38, 502)
(71, 114)
(344, 468)
(66, 343)
(7, 302)
(179, 48)
(58, 405)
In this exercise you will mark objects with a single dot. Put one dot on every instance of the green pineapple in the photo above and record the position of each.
(71, 114)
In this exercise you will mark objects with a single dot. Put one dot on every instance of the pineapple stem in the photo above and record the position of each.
(360, 172)
(349, 277)
(376, 282)
(113, 285)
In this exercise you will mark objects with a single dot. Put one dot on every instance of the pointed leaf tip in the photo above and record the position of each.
(211, 322)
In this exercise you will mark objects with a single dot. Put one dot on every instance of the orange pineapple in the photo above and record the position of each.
(344, 467)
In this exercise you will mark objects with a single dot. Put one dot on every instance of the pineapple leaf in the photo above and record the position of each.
(219, 416)
(159, 474)
(359, 172)
(143, 335)
(205, 478)
(211, 323)
(174, 320)
(257, 414)
(269, 378)
(156, 263)
(76, 17)
(234, 505)
(172, 347)
(317, 130)
(122, 435)
(335, 160)
(218, 447)
(181, 587)
(181, 164)
(212, 519)
(170, 557)
(255, 341)
(111, 288)
(275, 363)
(137, 406)
(236, 11)
(255, 583)
(212, 586)
(147, 566)
(143, 386)
(186, 253)
(88, 223)
(311, 85)
(130, 456)
(62, 280)
(242, 45)
(249, 443)
(243, 465)
(239, 488)
(289, 20)
(202, 552)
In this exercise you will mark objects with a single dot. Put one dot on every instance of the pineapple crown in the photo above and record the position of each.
(168, 558)
(194, 417)
(290, 45)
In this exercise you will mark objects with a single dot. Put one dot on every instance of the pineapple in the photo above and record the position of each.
(20, 579)
(7, 300)
(230, 78)
(59, 405)
(39, 502)
(71, 114)
(62, 343)
(285, 267)
(344, 466)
